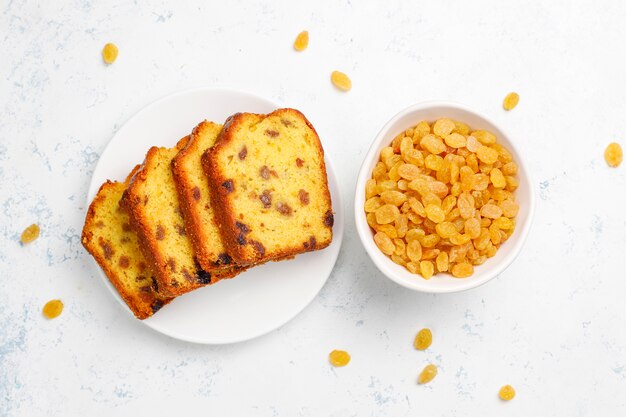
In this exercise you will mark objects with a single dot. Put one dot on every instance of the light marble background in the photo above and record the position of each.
(552, 325)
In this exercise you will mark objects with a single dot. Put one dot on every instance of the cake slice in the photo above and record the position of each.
(108, 237)
(269, 187)
(153, 205)
(195, 200)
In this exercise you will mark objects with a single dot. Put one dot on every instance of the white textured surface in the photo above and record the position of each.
(552, 325)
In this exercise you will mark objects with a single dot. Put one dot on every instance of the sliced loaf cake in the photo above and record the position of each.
(268, 182)
(152, 202)
(108, 237)
(195, 200)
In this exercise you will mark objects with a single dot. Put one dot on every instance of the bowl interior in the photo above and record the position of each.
(524, 196)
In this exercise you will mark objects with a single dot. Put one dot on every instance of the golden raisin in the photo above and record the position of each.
(423, 340)
(427, 269)
(302, 41)
(497, 178)
(384, 243)
(484, 137)
(109, 53)
(487, 155)
(432, 144)
(30, 233)
(428, 374)
(507, 393)
(613, 154)
(455, 140)
(443, 127)
(339, 358)
(341, 81)
(442, 262)
(510, 101)
(53, 309)
(386, 214)
(435, 213)
(462, 270)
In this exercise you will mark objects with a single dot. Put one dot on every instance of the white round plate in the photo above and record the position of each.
(258, 300)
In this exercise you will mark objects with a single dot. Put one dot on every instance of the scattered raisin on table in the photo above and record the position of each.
(613, 155)
(427, 374)
(30, 234)
(109, 53)
(423, 340)
(53, 309)
(341, 81)
(510, 101)
(302, 41)
(507, 393)
(339, 358)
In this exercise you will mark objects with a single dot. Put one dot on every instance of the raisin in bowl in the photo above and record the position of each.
(444, 201)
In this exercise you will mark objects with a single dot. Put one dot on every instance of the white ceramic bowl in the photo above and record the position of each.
(525, 196)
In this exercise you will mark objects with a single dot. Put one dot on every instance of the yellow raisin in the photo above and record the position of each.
(435, 213)
(613, 154)
(109, 53)
(386, 214)
(487, 155)
(432, 144)
(472, 227)
(455, 140)
(413, 267)
(472, 144)
(462, 270)
(52, 309)
(510, 168)
(484, 137)
(339, 358)
(341, 81)
(302, 41)
(423, 339)
(370, 188)
(503, 223)
(497, 178)
(428, 374)
(507, 393)
(443, 127)
(434, 162)
(442, 262)
(427, 269)
(509, 208)
(409, 172)
(414, 250)
(422, 129)
(446, 230)
(490, 211)
(460, 239)
(510, 101)
(393, 197)
(384, 243)
(30, 233)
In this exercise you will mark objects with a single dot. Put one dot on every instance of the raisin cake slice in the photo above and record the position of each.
(268, 181)
(195, 200)
(108, 237)
(152, 202)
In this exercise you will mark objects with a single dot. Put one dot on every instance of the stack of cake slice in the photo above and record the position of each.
(221, 201)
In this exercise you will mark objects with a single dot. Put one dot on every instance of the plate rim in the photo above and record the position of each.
(338, 227)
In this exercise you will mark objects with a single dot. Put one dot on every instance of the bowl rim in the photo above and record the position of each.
(383, 263)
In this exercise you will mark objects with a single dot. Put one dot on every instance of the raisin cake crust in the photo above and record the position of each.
(153, 204)
(108, 237)
(268, 179)
(195, 201)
